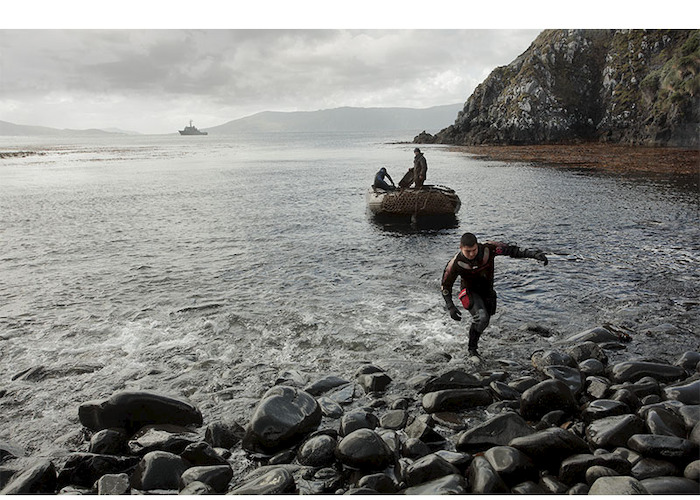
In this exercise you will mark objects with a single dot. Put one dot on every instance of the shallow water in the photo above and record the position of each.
(207, 266)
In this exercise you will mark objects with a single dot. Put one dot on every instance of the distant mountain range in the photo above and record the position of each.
(7, 128)
(344, 119)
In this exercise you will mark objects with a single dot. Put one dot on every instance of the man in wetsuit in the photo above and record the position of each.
(474, 264)
(380, 183)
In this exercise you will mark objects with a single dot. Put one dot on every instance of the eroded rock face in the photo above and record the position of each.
(586, 85)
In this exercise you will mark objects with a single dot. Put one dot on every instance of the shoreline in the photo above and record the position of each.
(614, 158)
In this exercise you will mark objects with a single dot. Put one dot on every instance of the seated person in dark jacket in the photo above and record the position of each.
(380, 183)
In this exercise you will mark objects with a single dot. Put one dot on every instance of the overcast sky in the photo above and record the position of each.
(152, 75)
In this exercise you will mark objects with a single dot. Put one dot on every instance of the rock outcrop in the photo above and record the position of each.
(618, 86)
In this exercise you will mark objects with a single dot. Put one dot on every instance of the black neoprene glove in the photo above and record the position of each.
(455, 314)
(540, 256)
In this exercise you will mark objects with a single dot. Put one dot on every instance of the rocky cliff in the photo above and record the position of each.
(618, 86)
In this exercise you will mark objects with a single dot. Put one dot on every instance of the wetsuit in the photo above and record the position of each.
(476, 286)
(380, 183)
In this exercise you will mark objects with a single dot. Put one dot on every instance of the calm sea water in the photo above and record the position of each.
(207, 266)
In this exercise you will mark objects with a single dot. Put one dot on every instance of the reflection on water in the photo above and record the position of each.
(207, 268)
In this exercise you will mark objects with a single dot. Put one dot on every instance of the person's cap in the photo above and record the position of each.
(416, 150)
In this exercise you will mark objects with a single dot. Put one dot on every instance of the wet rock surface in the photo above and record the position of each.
(541, 429)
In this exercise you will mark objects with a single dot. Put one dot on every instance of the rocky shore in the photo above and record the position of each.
(572, 423)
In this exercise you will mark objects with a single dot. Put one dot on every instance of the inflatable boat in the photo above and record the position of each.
(429, 200)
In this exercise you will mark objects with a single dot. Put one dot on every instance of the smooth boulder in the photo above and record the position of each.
(158, 470)
(540, 399)
(630, 371)
(550, 446)
(283, 416)
(132, 410)
(617, 485)
(364, 449)
(611, 432)
(455, 399)
(497, 431)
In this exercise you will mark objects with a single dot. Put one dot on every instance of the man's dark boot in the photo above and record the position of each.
(473, 341)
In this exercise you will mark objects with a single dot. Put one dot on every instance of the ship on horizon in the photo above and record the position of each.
(192, 130)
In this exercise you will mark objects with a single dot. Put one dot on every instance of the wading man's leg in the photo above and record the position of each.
(480, 320)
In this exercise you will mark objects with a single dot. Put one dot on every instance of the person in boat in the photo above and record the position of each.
(380, 183)
(416, 175)
(474, 264)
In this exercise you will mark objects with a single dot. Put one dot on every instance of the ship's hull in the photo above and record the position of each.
(190, 132)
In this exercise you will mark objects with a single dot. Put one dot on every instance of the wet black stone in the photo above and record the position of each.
(197, 488)
(158, 470)
(455, 399)
(381, 483)
(343, 395)
(543, 397)
(522, 384)
(317, 451)
(527, 488)
(651, 467)
(459, 460)
(591, 367)
(690, 415)
(273, 481)
(550, 446)
(626, 396)
(38, 478)
(357, 419)
(394, 419)
(325, 384)
(448, 485)
(598, 335)
(83, 469)
(9, 450)
(374, 382)
(451, 420)
(603, 408)
(414, 448)
(504, 392)
(202, 454)
(364, 449)
(663, 447)
(630, 371)
(108, 442)
(132, 410)
(453, 379)
(543, 359)
(283, 457)
(688, 360)
(571, 376)
(282, 417)
(597, 471)
(610, 432)
(586, 351)
(427, 468)
(512, 465)
(573, 468)
(619, 485)
(224, 434)
(113, 484)
(552, 419)
(664, 423)
(688, 394)
(578, 489)
(422, 428)
(692, 470)
(552, 485)
(597, 387)
(165, 437)
(484, 479)
(215, 476)
(671, 486)
(645, 386)
(497, 431)
(330, 408)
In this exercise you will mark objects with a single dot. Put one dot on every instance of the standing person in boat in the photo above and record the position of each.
(380, 183)
(416, 174)
(474, 264)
